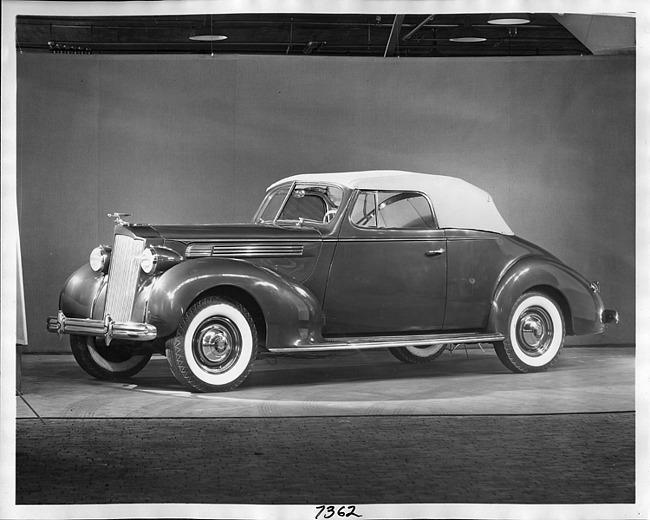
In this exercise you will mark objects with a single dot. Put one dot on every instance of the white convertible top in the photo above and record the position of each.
(457, 203)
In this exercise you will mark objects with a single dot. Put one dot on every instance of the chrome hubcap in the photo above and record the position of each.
(217, 345)
(535, 331)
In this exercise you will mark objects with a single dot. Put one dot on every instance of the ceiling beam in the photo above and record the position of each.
(391, 45)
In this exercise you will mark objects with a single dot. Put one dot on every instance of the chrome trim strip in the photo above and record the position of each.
(284, 202)
(360, 239)
(375, 342)
(394, 239)
(438, 236)
(251, 250)
(247, 240)
(495, 236)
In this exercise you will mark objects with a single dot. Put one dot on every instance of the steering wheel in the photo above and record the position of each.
(329, 216)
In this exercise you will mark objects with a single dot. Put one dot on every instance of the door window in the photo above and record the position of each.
(392, 210)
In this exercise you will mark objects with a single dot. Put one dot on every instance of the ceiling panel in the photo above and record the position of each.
(298, 34)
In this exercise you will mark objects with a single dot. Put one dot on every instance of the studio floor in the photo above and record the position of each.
(361, 428)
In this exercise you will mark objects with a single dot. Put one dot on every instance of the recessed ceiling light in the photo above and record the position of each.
(508, 19)
(208, 37)
(467, 39)
(467, 34)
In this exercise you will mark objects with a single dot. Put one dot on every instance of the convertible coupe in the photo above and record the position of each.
(414, 263)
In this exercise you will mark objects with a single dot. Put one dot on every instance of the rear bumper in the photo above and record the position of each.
(107, 328)
(609, 316)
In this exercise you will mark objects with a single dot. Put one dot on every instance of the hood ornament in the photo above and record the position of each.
(118, 218)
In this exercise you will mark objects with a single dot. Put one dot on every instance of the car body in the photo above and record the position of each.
(407, 261)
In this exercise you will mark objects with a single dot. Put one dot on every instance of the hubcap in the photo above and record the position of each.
(216, 345)
(535, 331)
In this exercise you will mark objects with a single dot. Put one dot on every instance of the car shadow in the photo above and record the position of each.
(278, 372)
(280, 376)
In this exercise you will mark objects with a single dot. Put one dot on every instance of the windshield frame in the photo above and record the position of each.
(257, 219)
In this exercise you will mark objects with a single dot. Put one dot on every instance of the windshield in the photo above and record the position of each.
(300, 202)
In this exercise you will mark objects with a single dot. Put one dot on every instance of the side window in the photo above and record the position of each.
(392, 210)
(363, 213)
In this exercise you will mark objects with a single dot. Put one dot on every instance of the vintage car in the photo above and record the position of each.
(415, 263)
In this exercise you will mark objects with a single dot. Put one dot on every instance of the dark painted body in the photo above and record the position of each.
(340, 280)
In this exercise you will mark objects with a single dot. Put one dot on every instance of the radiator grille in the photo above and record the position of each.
(123, 277)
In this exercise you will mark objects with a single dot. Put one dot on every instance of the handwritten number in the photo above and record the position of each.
(330, 511)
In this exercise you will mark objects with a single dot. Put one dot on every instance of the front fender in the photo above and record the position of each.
(80, 291)
(291, 312)
(582, 307)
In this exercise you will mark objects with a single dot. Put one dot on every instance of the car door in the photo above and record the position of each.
(388, 273)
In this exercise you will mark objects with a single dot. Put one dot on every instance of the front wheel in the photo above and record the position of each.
(215, 346)
(108, 362)
(419, 354)
(535, 334)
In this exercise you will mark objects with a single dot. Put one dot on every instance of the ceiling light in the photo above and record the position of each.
(312, 46)
(199, 36)
(205, 33)
(508, 19)
(467, 34)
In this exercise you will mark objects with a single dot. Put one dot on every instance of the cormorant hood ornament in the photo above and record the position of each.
(119, 221)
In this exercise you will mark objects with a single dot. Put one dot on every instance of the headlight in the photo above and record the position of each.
(148, 261)
(156, 259)
(99, 258)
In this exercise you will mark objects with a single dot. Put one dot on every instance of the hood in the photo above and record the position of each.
(292, 252)
(188, 234)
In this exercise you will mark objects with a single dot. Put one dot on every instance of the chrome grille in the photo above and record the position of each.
(123, 277)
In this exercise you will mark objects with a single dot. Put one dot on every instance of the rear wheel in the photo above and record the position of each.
(419, 354)
(535, 335)
(215, 346)
(108, 362)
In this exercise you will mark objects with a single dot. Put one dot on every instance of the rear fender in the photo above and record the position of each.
(291, 312)
(581, 306)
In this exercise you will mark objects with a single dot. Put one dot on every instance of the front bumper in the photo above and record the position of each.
(108, 328)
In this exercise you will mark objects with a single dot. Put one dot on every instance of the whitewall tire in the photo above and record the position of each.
(424, 354)
(535, 335)
(215, 346)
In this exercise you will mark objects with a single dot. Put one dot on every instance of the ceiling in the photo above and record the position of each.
(380, 35)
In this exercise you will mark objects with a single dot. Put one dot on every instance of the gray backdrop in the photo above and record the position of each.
(196, 139)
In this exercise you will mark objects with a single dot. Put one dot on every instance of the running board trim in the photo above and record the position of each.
(376, 342)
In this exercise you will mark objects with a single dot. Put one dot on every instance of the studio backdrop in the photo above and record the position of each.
(196, 139)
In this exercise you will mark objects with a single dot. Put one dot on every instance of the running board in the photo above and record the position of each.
(370, 342)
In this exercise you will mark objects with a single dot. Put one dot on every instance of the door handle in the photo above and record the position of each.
(435, 252)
